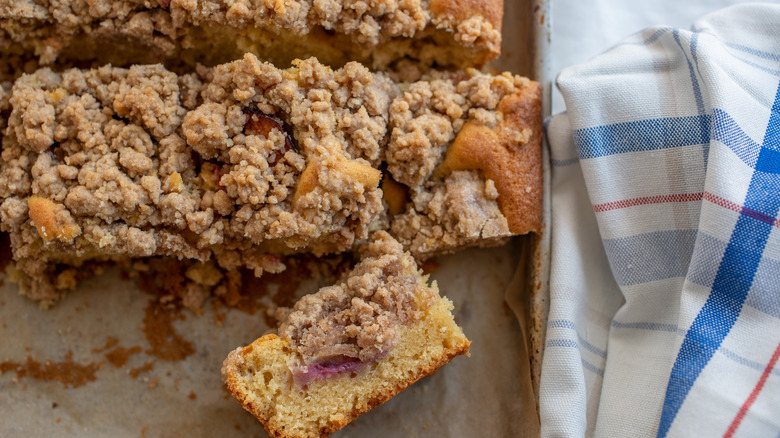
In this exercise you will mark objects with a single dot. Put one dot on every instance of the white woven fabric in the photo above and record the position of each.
(665, 282)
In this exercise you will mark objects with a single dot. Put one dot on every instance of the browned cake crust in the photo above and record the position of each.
(378, 33)
(242, 163)
(459, 10)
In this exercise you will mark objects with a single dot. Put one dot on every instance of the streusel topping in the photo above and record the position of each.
(359, 317)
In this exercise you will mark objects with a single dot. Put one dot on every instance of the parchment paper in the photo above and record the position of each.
(101, 324)
(488, 394)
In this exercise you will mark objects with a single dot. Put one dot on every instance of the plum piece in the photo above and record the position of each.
(259, 123)
(328, 368)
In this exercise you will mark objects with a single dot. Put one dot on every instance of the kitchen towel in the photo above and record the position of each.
(665, 277)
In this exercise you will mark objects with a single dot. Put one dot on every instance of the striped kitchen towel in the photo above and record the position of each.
(665, 284)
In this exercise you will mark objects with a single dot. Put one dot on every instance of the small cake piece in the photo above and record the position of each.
(377, 33)
(467, 147)
(347, 348)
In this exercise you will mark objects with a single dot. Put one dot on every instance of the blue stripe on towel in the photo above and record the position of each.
(733, 279)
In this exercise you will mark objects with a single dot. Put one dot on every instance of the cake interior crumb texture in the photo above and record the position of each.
(397, 344)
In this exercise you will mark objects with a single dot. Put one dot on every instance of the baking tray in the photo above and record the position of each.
(103, 362)
(526, 50)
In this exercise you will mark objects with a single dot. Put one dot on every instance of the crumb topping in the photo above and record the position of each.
(245, 163)
(140, 162)
(358, 317)
(426, 118)
(154, 30)
(451, 214)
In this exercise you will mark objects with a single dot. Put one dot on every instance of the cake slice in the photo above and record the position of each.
(380, 34)
(347, 348)
(241, 165)
(465, 156)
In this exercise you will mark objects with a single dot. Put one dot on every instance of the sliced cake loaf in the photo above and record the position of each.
(242, 164)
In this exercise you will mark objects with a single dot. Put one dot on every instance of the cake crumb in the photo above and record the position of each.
(69, 373)
(119, 356)
(145, 368)
(110, 343)
(166, 343)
